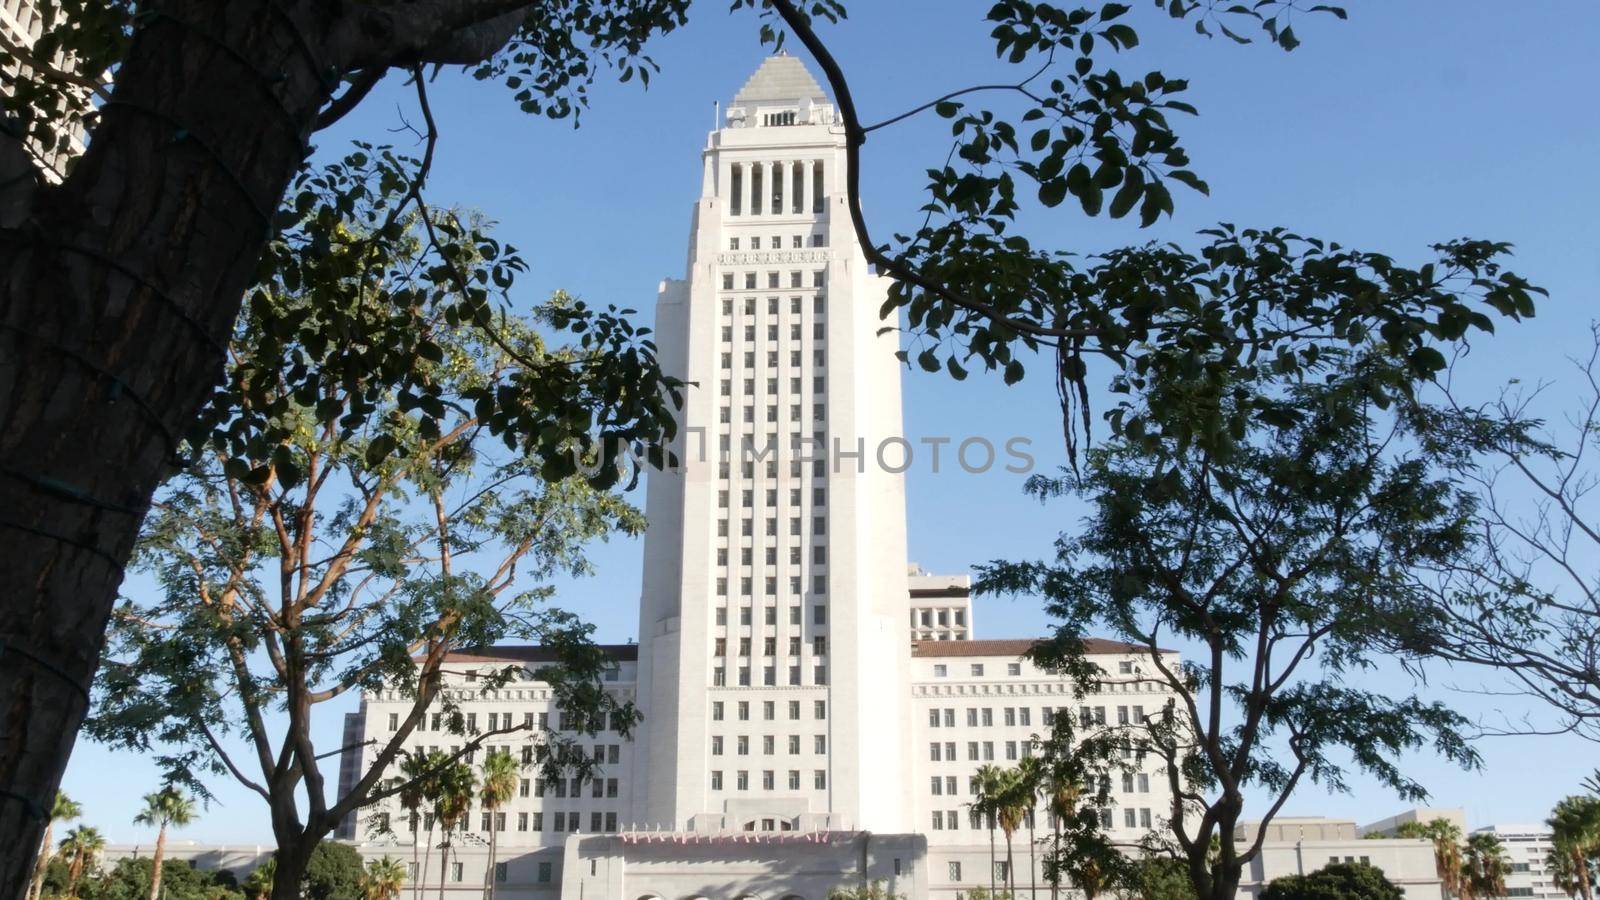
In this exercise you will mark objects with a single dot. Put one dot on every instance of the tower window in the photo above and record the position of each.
(736, 190)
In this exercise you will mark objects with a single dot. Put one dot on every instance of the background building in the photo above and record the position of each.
(1300, 845)
(1529, 848)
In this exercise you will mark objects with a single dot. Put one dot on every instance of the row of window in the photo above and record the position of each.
(741, 780)
(978, 750)
(747, 498)
(775, 242)
(558, 787)
(944, 617)
(769, 710)
(819, 555)
(769, 646)
(769, 744)
(747, 470)
(1023, 716)
(819, 411)
(941, 670)
(819, 279)
(819, 305)
(818, 333)
(819, 582)
(497, 720)
(765, 185)
(819, 615)
(769, 676)
(946, 785)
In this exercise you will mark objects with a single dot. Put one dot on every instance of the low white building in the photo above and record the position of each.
(1302, 845)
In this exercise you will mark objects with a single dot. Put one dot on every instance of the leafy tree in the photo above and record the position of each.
(1484, 867)
(63, 809)
(383, 879)
(258, 884)
(130, 879)
(210, 115)
(1528, 604)
(1156, 877)
(501, 775)
(1575, 839)
(1336, 881)
(166, 807)
(82, 847)
(1286, 559)
(335, 872)
(301, 559)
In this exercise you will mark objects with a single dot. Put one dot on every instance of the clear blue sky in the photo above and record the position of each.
(1413, 122)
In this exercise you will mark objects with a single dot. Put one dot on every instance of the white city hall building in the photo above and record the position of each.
(813, 708)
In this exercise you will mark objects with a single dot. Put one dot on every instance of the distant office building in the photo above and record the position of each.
(1528, 847)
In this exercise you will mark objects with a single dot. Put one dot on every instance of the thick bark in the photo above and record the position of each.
(290, 873)
(118, 289)
(37, 887)
(115, 292)
(155, 867)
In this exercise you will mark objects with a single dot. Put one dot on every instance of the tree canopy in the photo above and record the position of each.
(1336, 881)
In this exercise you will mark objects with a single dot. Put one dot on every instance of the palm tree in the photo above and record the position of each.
(1575, 833)
(1485, 867)
(383, 878)
(1446, 838)
(168, 806)
(1062, 790)
(1012, 804)
(81, 845)
(1030, 782)
(258, 884)
(414, 791)
(64, 809)
(452, 802)
(989, 784)
(500, 776)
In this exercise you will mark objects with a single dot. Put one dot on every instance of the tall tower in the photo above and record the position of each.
(773, 666)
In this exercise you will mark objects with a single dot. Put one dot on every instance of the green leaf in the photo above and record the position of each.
(1129, 193)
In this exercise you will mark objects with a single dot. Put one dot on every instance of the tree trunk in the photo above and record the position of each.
(155, 869)
(1033, 865)
(991, 861)
(1011, 870)
(1582, 864)
(287, 879)
(488, 877)
(422, 877)
(444, 862)
(37, 887)
(1055, 868)
(416, 868)
(118, 286)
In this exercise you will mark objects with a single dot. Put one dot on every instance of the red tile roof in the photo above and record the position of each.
(1013, 647)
